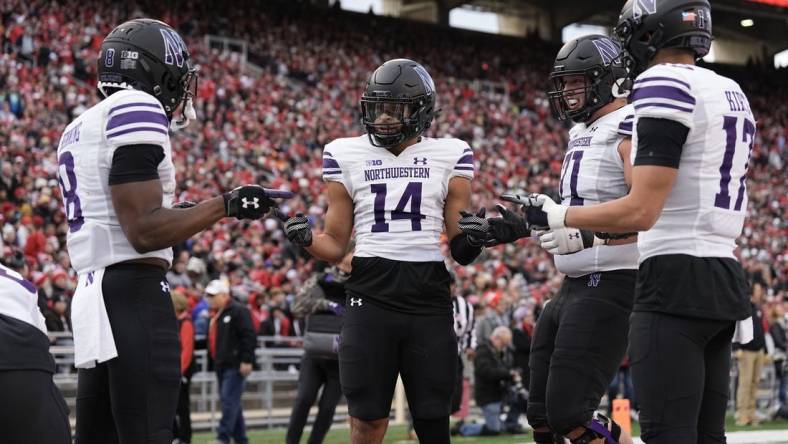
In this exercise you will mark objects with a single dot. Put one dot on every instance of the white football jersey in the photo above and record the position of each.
(130, 117)
(592, 173)
(704, 212)
(398, 200)
(19, 299)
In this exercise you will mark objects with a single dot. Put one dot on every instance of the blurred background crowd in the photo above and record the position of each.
(266, 119)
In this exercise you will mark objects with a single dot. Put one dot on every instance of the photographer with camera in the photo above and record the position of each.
(492, 375)
(322, 301)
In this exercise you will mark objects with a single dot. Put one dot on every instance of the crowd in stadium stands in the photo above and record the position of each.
(269, 125)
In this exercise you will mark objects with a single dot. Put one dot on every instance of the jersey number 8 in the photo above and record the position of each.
(69, 191)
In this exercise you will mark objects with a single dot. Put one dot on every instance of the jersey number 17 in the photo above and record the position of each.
(723, 198)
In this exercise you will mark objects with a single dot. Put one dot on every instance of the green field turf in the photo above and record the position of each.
(396, 435)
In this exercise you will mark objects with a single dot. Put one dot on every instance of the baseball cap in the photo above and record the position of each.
(217, 286)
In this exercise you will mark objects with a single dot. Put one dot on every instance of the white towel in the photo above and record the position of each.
(743, 333)
(93, 340)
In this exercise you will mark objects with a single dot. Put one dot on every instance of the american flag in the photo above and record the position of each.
(688, 16)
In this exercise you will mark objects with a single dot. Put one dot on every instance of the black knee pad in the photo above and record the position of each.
(433, 430)
(600, 426)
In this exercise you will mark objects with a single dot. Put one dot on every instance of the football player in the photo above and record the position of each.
(117, 180)
(693, 136)
(581, 336)
(33, 411)
(398, 189)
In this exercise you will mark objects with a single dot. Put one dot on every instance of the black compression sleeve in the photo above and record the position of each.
(135, 163)
(462, 251)
(660, 142)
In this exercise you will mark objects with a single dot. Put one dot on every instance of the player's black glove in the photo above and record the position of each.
(251, 201)
(184, 204)
(475, 226)
(507, 228)
(540, 210)
(296, 228)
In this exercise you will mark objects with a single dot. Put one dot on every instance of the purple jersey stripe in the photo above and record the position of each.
(662, 79)
(129, 105)
(463, 168)
(326, 153)
(330, 163)
(138, 129)
(662, 105)
(137, 117)
(466, 159)
(27, 285)
(662, 92)
(467, 150)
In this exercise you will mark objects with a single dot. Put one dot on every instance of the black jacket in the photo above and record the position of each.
(490, 371)
(235, 338)
(522, 351)
(778, 335)
(758, 340)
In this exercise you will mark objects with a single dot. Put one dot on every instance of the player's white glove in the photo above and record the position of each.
(540, 210)
(568, 240)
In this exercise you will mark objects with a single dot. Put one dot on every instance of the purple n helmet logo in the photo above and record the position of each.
(608, 50)
(643, 7)
(174, 47)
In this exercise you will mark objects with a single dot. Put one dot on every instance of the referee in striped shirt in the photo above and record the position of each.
(464, 327)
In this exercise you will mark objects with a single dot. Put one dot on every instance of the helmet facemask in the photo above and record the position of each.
(390, 121)
(188, 86)
(576, 95)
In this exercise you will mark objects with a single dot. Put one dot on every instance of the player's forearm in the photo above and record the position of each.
(327, 247)
(617, 216)
(165, 227)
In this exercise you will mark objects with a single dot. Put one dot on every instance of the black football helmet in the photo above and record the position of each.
(597, 60)
(646, 26)
(150, 56)
(398, 103)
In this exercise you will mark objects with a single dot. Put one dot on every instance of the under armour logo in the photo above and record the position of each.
(246, 203)
(417, 161)
(165, 286)
(355, 302)
(593, 279)
(574, 235)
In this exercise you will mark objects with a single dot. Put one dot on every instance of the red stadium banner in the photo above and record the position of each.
(779, 3)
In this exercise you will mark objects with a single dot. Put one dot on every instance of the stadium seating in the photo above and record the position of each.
(267, 124)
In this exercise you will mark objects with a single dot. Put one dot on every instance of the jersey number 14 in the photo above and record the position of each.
(412, 194)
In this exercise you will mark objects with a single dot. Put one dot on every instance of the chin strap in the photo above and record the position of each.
(621, 88)
(187, 116)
